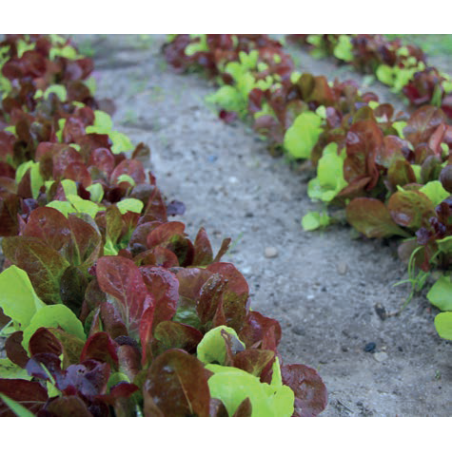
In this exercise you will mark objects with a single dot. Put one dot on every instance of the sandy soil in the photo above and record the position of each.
(322, 287)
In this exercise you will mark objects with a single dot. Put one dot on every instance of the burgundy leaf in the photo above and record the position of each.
(310, 393)
(177, 383)
(31, 394)
(43, 341)
(120, 278)
(169, 335)
(411, 209)
(372, 218)
(132, 168)
(69, 406)
(260, 330)
(14, 350)
(44, 265)
(203, 249)
(50, 226)
(164, 288)
(102, 348)
(422, 123)
(253, 361)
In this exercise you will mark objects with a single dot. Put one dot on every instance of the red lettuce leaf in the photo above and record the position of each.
(120, 278)
(164, 288)
(422, 123)
(68, 406)
(157, 256)
(169, 335)
(171, 235)
(14, 350)
(31, 394)
(310, 392)
(50, 226)
(260, 331)
(44, 341)
(132, 168)
(411, 209)
(372, 218)
(203, 249)
(253, 361)
(102, 348)
(9, 208)
(364, 143)
(235, 295)
(177, 384)
(44, 265)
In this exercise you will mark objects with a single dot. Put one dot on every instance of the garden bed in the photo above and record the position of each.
(325, 288)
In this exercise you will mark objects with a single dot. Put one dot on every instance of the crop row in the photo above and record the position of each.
(402, 67)
(390, 171)
(109, 309)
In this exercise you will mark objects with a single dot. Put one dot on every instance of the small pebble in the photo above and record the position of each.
(310, 297)
(342, 268)
(370, 347)
(233, 180)
(247, 270)
(381, 311)
(212, 158)
(270, 252)
(380, 356)
(298, 331)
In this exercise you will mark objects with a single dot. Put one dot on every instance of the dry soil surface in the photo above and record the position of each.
(323, 287)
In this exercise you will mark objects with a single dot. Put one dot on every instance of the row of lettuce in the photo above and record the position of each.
(402, 67)
(108, 308)
(392, 172)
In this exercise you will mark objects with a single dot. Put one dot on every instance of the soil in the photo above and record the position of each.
(327, 289)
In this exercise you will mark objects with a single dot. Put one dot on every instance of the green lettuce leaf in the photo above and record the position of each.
(12, 371)
(303, 135)
(315, 220)
(440, 294)
(232, 386)
(54, 316)
(435, 191)
(443, 324)
(130, 205)
(212, 348)
(344, 48)
(330, 175)
(18, 299)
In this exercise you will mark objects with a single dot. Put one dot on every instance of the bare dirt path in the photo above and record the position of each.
(322, 287)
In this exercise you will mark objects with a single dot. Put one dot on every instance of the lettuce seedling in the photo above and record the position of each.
(315, 220)
(232, 386)
(103, 125)
(330, 175)
(302, 135)
(344, 48)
